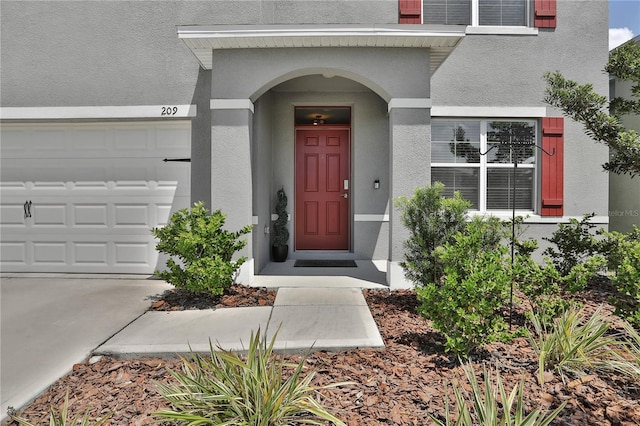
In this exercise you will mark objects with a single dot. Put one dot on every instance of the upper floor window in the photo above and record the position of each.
(447, 12)
(513, 13)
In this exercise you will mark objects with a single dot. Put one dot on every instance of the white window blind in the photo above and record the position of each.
(512, 13)
(487, 181)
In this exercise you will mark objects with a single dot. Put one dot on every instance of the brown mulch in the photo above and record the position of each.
(400, 385)
(235, 296)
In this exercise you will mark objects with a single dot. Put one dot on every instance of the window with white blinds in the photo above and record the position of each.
(512, 13)
(447, 12)
(502, 13)
(487, 181)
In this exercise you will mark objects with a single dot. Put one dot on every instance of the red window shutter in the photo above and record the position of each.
(553, 166)
(410, 11)
(545, 14)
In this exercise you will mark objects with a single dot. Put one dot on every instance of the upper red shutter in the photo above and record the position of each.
(552, 166)
(410, 11)
(544, 14)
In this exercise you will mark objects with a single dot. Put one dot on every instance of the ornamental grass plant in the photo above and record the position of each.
(61, 418)
(261, 389)
(571, 344)
(491, 405)
(631, 354)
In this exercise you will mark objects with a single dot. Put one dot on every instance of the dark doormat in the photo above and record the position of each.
(325, 264)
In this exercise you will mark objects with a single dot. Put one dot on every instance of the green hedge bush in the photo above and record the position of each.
(203, 250)
(466, 304)
(432, 221)
(627, 281)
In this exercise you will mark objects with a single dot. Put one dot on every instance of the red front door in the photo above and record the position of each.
(323, 188)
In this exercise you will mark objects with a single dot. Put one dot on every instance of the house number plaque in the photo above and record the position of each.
(169, 110)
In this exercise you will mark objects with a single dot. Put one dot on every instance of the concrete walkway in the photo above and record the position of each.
(50, 322)
(322, 318)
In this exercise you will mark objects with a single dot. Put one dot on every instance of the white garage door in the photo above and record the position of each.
(83, 197)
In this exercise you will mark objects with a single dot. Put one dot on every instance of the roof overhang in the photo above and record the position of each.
(201, 40)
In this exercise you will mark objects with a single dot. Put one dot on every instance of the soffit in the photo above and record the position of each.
(201, 40)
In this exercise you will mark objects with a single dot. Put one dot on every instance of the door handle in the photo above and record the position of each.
(345, 195)
(27, 209)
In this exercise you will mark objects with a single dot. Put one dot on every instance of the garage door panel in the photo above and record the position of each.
(132, 215)
(133, 139)
(90, 215)
(85, 253)
(50, 142)
(11, 185)
(49, 215)
(132, 253)
(13, 253)
(173, 140)
(91, 140)
(12, 215)
(94, 206)
(142, 173)
(50, 252)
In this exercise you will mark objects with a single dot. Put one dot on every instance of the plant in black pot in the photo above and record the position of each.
(280, 248)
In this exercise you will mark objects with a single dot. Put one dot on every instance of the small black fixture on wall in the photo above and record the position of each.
(376, 184)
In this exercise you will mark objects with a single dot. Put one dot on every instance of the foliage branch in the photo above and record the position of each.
(584, 105)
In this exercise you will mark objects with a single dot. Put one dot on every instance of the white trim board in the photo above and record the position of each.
(165, 111)
(494, 30)
(531, 218)
(231, 104)
(371, 218)
(488, 111)
(409, 103)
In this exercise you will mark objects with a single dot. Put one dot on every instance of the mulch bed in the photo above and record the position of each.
(235, 296)
(400, 385)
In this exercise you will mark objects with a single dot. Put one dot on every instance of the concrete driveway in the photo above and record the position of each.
(50, 322)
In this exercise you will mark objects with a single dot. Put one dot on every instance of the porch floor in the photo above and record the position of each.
(368, 274)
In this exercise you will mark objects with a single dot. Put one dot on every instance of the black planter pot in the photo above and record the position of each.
(279, 253)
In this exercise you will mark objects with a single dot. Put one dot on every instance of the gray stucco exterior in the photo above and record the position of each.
(95, 54)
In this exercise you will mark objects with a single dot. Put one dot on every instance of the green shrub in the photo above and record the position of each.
(613, 247)
(466, 305)
(61, 418)
(491, 405)
(432, 221)
(541, 285)
(546, 284)
(574, 244)
(259, 390)
(622, 252)
(627, 281)
(204, 250)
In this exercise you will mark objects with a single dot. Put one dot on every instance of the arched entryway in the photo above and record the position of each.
(383, 76)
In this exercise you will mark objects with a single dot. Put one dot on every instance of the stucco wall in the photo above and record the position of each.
(80, 53)
(94, 53)
(256, 70)
(263, 191)
(497, 70)
(201, 141)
